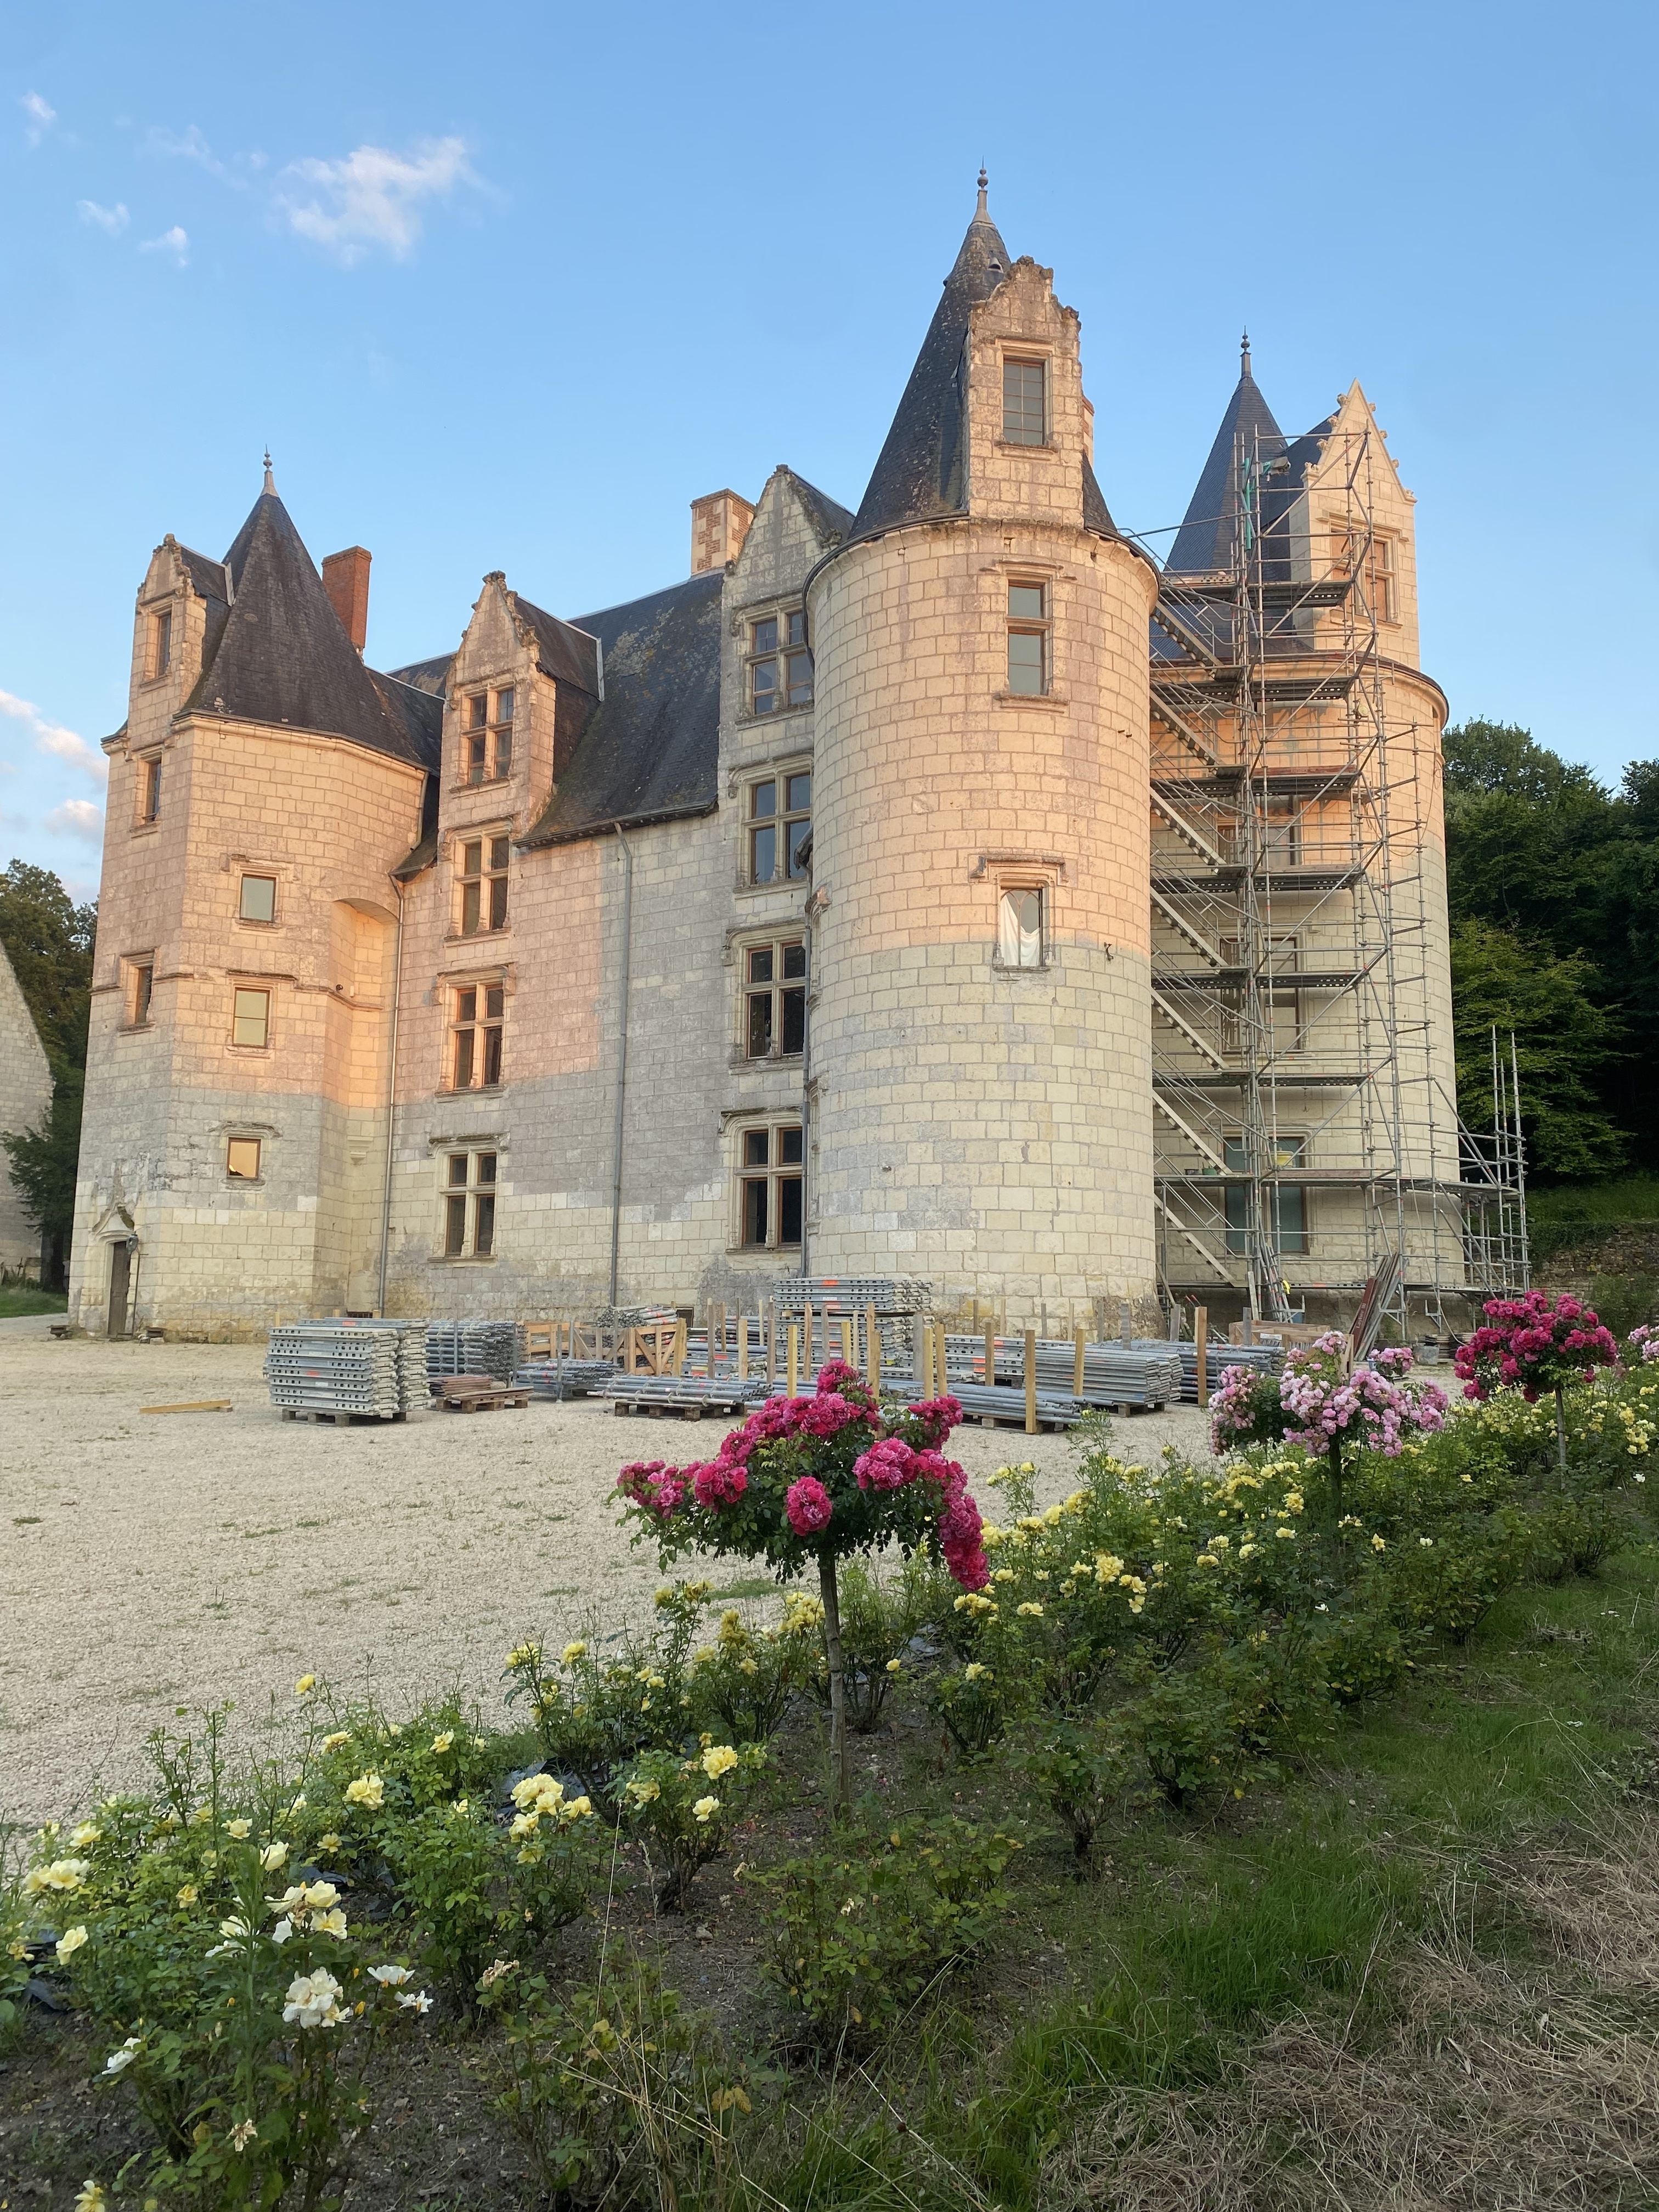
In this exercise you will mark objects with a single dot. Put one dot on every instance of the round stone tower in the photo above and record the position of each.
(981, 1099)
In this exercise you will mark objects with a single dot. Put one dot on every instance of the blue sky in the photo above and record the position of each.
(509, 290)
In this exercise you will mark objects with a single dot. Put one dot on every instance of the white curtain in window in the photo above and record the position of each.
(1020, 930)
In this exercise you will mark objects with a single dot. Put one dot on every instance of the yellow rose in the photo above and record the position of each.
(719, 1760)
(367, 1790)
(72, 1938)
(305, 1686)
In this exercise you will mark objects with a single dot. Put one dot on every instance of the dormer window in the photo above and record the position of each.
(487, 754)
(161, 642)
(1024, 403)
(779, 665)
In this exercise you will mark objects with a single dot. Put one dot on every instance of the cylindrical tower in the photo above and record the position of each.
(981, 1029)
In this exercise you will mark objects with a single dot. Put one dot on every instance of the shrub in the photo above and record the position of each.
(1451, 1580)
(1080, 1768)
(748, 1678)
(621, 2099)
(686, 1808)
(857, 1935)
(879, 1621)
(1535, 1343)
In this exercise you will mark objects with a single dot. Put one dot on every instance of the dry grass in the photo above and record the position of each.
(1473, 2078)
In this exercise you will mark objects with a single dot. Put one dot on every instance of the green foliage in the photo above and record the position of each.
(43, 1160)
(685, 1807)
(880, 1618)
(747, 1678)
(859, 1935)
(49, 941)
(621, 2099)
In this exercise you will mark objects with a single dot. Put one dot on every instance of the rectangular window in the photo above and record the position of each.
(487, 743)
(779, 666)
(259, 900)
(774, 998)
(504, 732)
(150, 789)
(249, 1022)
(161, 653)
(770, 1189)
(1286, 1203)
(140, 985)
(476, 1022)
(780, 821)
(484, 884)
(1027, 638)
(1372, 557)
(1021, 929)
(469, 1206)
(1024, 415)
(242, 1159)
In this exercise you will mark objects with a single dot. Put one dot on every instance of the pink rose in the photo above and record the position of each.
(807, 1504)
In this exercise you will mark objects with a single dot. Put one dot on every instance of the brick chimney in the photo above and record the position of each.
(719, 523)
(345, 579)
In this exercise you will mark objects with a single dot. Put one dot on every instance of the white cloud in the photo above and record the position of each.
(191, 145)
(77, 818)
(113, 220)
(41, 117)
(371, 198)
(52, 738)
(174, 242)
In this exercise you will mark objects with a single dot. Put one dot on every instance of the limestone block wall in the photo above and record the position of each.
(988, 1128)
(25, 1097)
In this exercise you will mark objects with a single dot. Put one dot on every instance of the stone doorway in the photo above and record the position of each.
(120, 1283)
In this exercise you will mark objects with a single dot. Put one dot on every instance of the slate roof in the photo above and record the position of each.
(431, 676)
(1208, 532)
(562, 650)
(832, 521)
(651, 750)
(281, 654)
(919, 469)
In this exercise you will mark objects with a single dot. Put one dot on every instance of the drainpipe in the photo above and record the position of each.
(392, 1093)
(622, 1055)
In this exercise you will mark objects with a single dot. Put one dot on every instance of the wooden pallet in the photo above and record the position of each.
(473, 1394)
(340, 1420)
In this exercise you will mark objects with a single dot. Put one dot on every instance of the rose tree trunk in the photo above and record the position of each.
(840, 1764)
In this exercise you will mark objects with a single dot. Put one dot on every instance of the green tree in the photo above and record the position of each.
(1500, 979)
(49, 941)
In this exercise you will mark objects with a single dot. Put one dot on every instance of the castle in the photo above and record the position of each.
(944, 888)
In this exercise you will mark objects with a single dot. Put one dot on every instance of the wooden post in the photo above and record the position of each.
(990, 1354)
(631, 1352)
(847, 1346)
(871, 1350)
(1201, 1346)
(743, 1347)
(769, 1342)
(682, 1346)
(1031, 1382)
(1076, 1365)
(806, 1343)
(1246, 1327)
(794, 1359)
(941, 1383)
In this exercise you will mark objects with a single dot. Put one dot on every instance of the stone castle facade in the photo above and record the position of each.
(798, 915)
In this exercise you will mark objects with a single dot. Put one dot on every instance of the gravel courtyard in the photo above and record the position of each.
(153, 1560)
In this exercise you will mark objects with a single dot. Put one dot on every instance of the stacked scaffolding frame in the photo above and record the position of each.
(1309, 1138)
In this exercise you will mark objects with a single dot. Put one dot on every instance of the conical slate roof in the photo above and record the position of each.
(282, 655)
(919, 471)
(1207, 535)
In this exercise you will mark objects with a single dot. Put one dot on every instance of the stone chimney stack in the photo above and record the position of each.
(719, 523)
(345, 579)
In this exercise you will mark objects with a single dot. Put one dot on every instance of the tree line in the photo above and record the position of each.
(1553, 882)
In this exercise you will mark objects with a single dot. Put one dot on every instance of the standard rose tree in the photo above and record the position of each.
(818, 1478)
(1535, 1343)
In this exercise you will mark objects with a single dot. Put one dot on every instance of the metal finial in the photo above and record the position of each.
(1244, 355)
(270, 481)
(983, 181)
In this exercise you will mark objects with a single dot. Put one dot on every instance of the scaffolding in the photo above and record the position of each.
(1308, 1140)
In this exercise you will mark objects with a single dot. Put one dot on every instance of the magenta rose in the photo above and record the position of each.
(807, 1504)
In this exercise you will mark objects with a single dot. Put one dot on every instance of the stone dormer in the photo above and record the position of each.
(522, 689)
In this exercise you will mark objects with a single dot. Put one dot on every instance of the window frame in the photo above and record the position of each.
(148, 795)
(769, 1175)
(1043, 364)
(235, 1174)
(486, 839)
(477, 1197)
(784, 822)
(492, 733)
(1282, 1232)
(1379, 566)
(473, 1027)
(1018, 886)
(781, 987)
(789, 643)
(160, 643)
(1039, 626)
(238, 992)
(255, 920)
(137, 995)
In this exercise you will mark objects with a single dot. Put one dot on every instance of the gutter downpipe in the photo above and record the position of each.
(622, 1055)
(392, 1095)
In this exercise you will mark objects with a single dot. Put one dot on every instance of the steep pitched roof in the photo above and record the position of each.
(832, 521)
(1208, 532)
(562, 650)
(651, 750)
(431, 676)
(919, 470)
(281, 656)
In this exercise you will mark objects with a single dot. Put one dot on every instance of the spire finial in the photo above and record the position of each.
(983, 182)
(270, 481)
(1244, 355)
